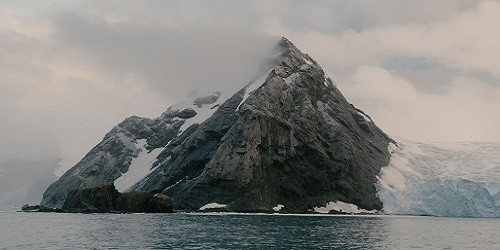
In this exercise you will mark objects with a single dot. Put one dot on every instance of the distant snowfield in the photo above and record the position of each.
(442, 179)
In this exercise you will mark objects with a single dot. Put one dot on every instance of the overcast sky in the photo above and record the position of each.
(71, 70)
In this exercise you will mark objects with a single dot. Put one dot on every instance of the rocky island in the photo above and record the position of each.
(287, 142)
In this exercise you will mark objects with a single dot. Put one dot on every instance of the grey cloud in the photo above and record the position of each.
(23, 182)
(170, 60)
(464, 111)
(62, 92)
(427, 76)
(321, 15)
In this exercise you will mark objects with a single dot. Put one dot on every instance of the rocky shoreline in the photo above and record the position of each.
(106, 199)
(41, 209)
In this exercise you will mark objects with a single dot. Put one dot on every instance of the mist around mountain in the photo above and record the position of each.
(23, 182)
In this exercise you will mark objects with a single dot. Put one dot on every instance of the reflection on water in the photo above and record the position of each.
(216, 231)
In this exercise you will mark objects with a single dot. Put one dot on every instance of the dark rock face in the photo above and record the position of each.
(97, 200)
(186, 113)
(106, 198)
(38, 208)
(142, 202)
(200, 101)
(113, 155)
(294, 141)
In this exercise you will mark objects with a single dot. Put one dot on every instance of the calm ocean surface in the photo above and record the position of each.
(238, 231)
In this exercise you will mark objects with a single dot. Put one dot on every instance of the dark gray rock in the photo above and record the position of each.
(38, 208)
(186, 113)
(142, 202)
(113, 155)
(106, 199)
(200, 101)
(298, 143)
(100, 199)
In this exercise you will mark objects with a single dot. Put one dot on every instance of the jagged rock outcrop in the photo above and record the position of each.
(113, 155)
(106, 198)
(288, 138)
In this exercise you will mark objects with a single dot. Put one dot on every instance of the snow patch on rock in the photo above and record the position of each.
(278, 207)
(212, 205)
(307, 61)
(252, 86)
(305, 67)
(203, 112)
(343, 207)
(139, 168)
(367, 119)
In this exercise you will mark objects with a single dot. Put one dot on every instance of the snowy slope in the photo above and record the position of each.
(204, 105)
(443, 179)
(203, 109)
(139, 168)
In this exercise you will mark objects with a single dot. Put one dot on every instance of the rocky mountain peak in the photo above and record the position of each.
(287, 139)
(287, 44)
(293, 63)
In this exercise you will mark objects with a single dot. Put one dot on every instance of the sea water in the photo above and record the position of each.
(19, 230)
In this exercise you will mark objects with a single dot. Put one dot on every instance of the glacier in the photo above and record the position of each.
(452, 179)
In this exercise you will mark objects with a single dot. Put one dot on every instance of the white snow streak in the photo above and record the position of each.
(261, 77)
(202, 113)
(252, 86)
(278, 207)
(307, 61)
(173, 185)
(364, 116)
(139, 168)
(212, 205)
